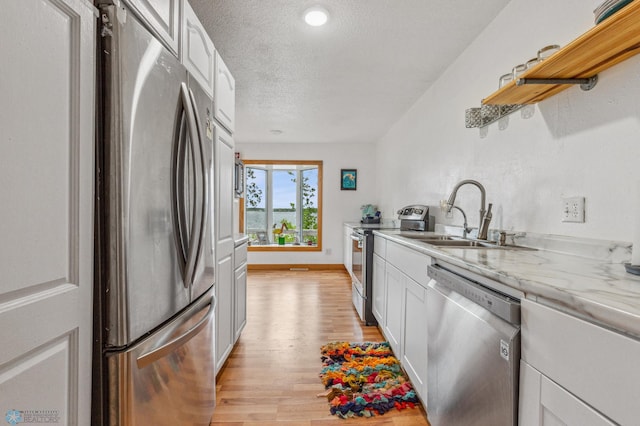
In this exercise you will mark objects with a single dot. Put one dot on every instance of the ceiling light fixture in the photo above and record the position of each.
(316, 16)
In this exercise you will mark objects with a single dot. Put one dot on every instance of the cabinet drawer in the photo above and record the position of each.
(597, 365)
(411, 262)
(380, 246)
(240, 255)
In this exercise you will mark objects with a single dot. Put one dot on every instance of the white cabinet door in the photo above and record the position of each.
(240, 296)
(225, 167)
(163, 16)
(240, 290)
(224, 310)
(197, 53)
(379, 289)
(394, 282)
(46, 219)
(224, 101)
(544, 403)
(414, 358)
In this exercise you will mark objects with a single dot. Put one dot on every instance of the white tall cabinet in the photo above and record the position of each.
(46, 219)
(225, 244)
(205, 64)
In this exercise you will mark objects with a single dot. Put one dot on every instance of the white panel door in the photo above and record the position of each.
(46, 215)
(197, 53)
(163, 16)
(224, 101)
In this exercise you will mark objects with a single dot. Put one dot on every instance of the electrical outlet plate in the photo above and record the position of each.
(573, 209)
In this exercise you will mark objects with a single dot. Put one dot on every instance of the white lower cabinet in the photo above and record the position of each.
(576, 372)
(545, 403)
(240, 291)
(399, 304)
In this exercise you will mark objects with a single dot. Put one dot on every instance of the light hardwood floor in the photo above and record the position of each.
(271, 377)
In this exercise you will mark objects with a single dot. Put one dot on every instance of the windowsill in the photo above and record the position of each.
(286, 247)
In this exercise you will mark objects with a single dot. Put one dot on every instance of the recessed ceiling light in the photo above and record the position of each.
(316, 16)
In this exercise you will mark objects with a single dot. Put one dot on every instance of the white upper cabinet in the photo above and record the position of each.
(225, 95)
(163, 16)
(197, 53)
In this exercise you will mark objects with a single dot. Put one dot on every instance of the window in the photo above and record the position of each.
(282, 205)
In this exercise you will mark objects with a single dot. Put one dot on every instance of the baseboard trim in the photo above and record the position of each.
(295, 267)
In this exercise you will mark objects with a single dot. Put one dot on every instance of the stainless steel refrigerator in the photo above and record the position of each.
(154, 299)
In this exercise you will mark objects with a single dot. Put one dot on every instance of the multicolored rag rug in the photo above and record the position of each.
(364, 379)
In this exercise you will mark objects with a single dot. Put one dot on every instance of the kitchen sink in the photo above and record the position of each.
(426, 238)
(453, 243)
(445, 241)
(464, 243)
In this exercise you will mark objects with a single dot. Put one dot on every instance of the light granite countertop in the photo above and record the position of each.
(586, 278)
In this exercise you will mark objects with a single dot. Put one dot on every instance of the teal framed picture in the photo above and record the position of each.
(348, 179)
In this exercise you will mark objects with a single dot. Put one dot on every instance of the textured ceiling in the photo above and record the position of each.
(347, 81)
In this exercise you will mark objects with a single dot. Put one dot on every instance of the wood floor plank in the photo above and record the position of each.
(271, 377)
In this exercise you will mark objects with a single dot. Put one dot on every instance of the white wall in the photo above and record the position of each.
(337, 206)
(577, 144)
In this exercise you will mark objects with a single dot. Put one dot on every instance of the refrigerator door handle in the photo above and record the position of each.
(205, 181)
(177, 188)
(187, 245)
(158, 353)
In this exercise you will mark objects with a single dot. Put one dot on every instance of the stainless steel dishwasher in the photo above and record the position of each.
(473, 352)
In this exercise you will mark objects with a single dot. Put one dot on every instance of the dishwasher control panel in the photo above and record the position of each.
(501, 305)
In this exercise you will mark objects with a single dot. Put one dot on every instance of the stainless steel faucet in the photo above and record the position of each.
(465, 228)
(485, 215)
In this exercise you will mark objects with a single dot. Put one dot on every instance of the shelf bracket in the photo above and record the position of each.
(585, 83)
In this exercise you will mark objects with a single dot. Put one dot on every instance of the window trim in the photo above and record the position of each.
(318, 246)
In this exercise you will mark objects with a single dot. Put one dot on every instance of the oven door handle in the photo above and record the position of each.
(356, 237)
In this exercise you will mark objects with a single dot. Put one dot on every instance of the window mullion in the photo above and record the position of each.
(269, 203)
(299, 204)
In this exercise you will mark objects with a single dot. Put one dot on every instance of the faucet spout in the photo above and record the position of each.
(465, 227)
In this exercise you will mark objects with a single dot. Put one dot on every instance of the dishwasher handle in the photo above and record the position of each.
(495, 302)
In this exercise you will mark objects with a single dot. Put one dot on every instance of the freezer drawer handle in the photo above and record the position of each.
(164, 350)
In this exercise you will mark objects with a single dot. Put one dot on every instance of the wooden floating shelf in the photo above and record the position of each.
(612, 41)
